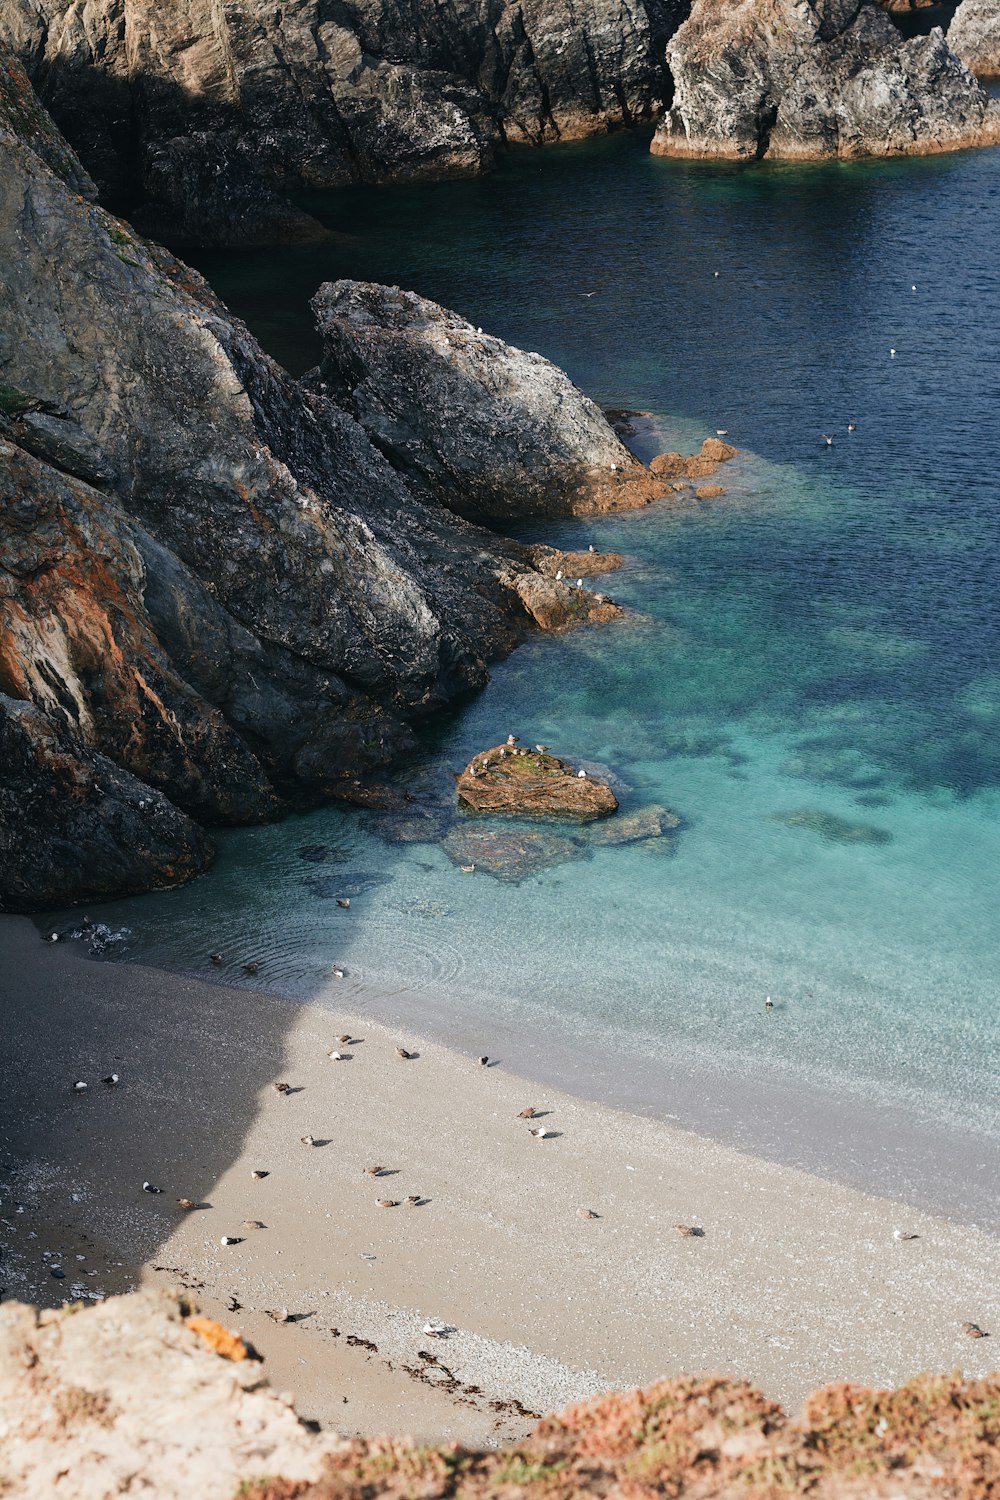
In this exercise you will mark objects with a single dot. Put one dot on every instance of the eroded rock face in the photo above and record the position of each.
(74, 825)
(199, 114)
(208, 574)
(974, 36)
(523, 783)
(814, 79)
(482, 427)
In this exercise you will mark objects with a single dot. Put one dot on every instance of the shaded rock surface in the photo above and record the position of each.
(57, 798)
(198, 116)
(805, 79)
(143, 1390)
(208, 574)
(484, 428)
(974, 36)
(529, 784)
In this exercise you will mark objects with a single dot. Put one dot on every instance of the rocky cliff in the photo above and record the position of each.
(814, 79)
(974, 35)
(142, 1390)
(196, 117)
(210, 579)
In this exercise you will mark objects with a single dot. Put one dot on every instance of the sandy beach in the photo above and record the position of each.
(794, 1281)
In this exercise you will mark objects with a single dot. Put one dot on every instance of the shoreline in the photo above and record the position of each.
(796, 1280)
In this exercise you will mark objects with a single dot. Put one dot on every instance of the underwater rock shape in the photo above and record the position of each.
(646, 823)
(510, 854)
(813, 80)
(832, 827)
(520, 783)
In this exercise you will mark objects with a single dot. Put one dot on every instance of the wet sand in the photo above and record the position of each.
(795, 1281)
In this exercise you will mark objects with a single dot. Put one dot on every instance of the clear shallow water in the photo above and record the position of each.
(824, 641)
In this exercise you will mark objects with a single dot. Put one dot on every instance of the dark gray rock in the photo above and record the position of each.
(73, 825)
(974, 36)
(483, 428)
(198, 116)
(814, 79)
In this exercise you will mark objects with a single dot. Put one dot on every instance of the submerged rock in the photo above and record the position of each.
(829, 826)
(646, 823)
(510, 854)
(485, 429)
(529, 784)
(974, 36)
(812, 79)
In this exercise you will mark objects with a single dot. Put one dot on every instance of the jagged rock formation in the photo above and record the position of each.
(94, 1401)
(197, 115)
(208, 574)
(974, 35)
(486, 429)
(811, 79)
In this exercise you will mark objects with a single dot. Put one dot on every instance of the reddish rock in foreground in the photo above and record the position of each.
(521, 783)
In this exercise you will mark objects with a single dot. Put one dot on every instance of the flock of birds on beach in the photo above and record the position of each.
(433, 1328)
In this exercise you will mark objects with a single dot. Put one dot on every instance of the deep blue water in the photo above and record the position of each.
(821, 642)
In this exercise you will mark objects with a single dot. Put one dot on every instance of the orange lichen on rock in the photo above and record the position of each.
(693, 465)
(218, 1339)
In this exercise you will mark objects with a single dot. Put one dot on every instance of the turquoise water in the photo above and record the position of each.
(820, 645)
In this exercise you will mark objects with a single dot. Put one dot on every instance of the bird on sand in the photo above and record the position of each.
(412, 1200)
(436, 1330)
(278, 1315)
(282, 1088)
(973, 1331)
(344, 901)
(374, 1171)
(231, 1239)
(539, 1132)
(387, 1202)
(307, 1140)
(689, 1231)
(251, 968)
(111, 1081)
(187, 1204)
(527, 1112)
(586, 1213)
(252, 1224)
(258, 1173)
(484, 1061)
(345, 1038)
(79, 1087)
(334, 1055)
(148, 1187)
(406, 1056)
(904, 1234)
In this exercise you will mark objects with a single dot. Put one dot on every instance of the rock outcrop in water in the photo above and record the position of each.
(198, 116)
(482, 427)
(974, 35)
(209, 576)
(522, 783)
(814, 79)
(142, 1390)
